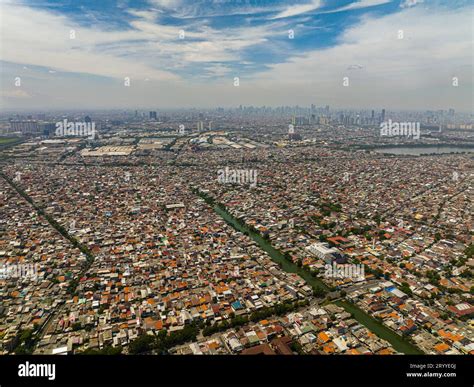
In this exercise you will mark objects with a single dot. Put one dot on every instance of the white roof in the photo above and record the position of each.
(59, 351)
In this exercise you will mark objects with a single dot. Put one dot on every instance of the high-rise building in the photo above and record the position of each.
(47, 128)
(301, 121)
(383, 115)
(25, 127)
(153, 115)
(323, 120)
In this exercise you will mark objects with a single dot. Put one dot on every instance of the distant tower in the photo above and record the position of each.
(383, 115)
(87, 119)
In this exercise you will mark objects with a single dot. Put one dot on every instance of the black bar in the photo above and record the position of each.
(242, 370)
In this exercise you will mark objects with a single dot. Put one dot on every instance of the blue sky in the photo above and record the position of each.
(142, 40)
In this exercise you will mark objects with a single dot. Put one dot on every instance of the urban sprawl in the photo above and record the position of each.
(252, 230)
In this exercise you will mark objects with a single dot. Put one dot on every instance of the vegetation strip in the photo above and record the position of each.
(398, 342)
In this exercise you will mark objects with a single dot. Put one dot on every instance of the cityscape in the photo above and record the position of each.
(295, 216)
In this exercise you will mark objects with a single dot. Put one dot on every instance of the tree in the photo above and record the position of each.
(405, 288)
(142, 344)
(319, 292)
(108, 350)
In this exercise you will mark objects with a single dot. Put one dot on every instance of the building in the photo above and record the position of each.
(25, 127)
(323, 251)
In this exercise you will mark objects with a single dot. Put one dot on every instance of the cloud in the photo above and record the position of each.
(295, 10)
(15, 94)
(39, 38)
(414, 72)
(166, 3)
(410, 3)
(148, 49)
(191, 9)
(358, 5)
(217, 70)
(406, 73)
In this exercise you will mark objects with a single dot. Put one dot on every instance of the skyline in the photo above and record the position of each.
(283, 109)
(222, 40)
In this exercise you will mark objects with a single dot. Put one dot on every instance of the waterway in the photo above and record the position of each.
(418, 151)
(399, 343)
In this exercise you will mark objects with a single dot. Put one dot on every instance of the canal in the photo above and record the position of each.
(399, 343)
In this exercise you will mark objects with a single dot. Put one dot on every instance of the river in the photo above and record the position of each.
(399, 343)
(418, 151)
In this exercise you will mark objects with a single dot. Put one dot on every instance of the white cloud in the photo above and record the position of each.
(410, 3)
(358, 5)
(414, 72)
(217, 70)
(299, 9)
(166, 3)
(38, 38)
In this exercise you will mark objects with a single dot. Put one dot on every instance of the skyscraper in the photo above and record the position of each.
(25, 127)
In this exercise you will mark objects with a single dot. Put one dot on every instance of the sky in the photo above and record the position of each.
(90, 54)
